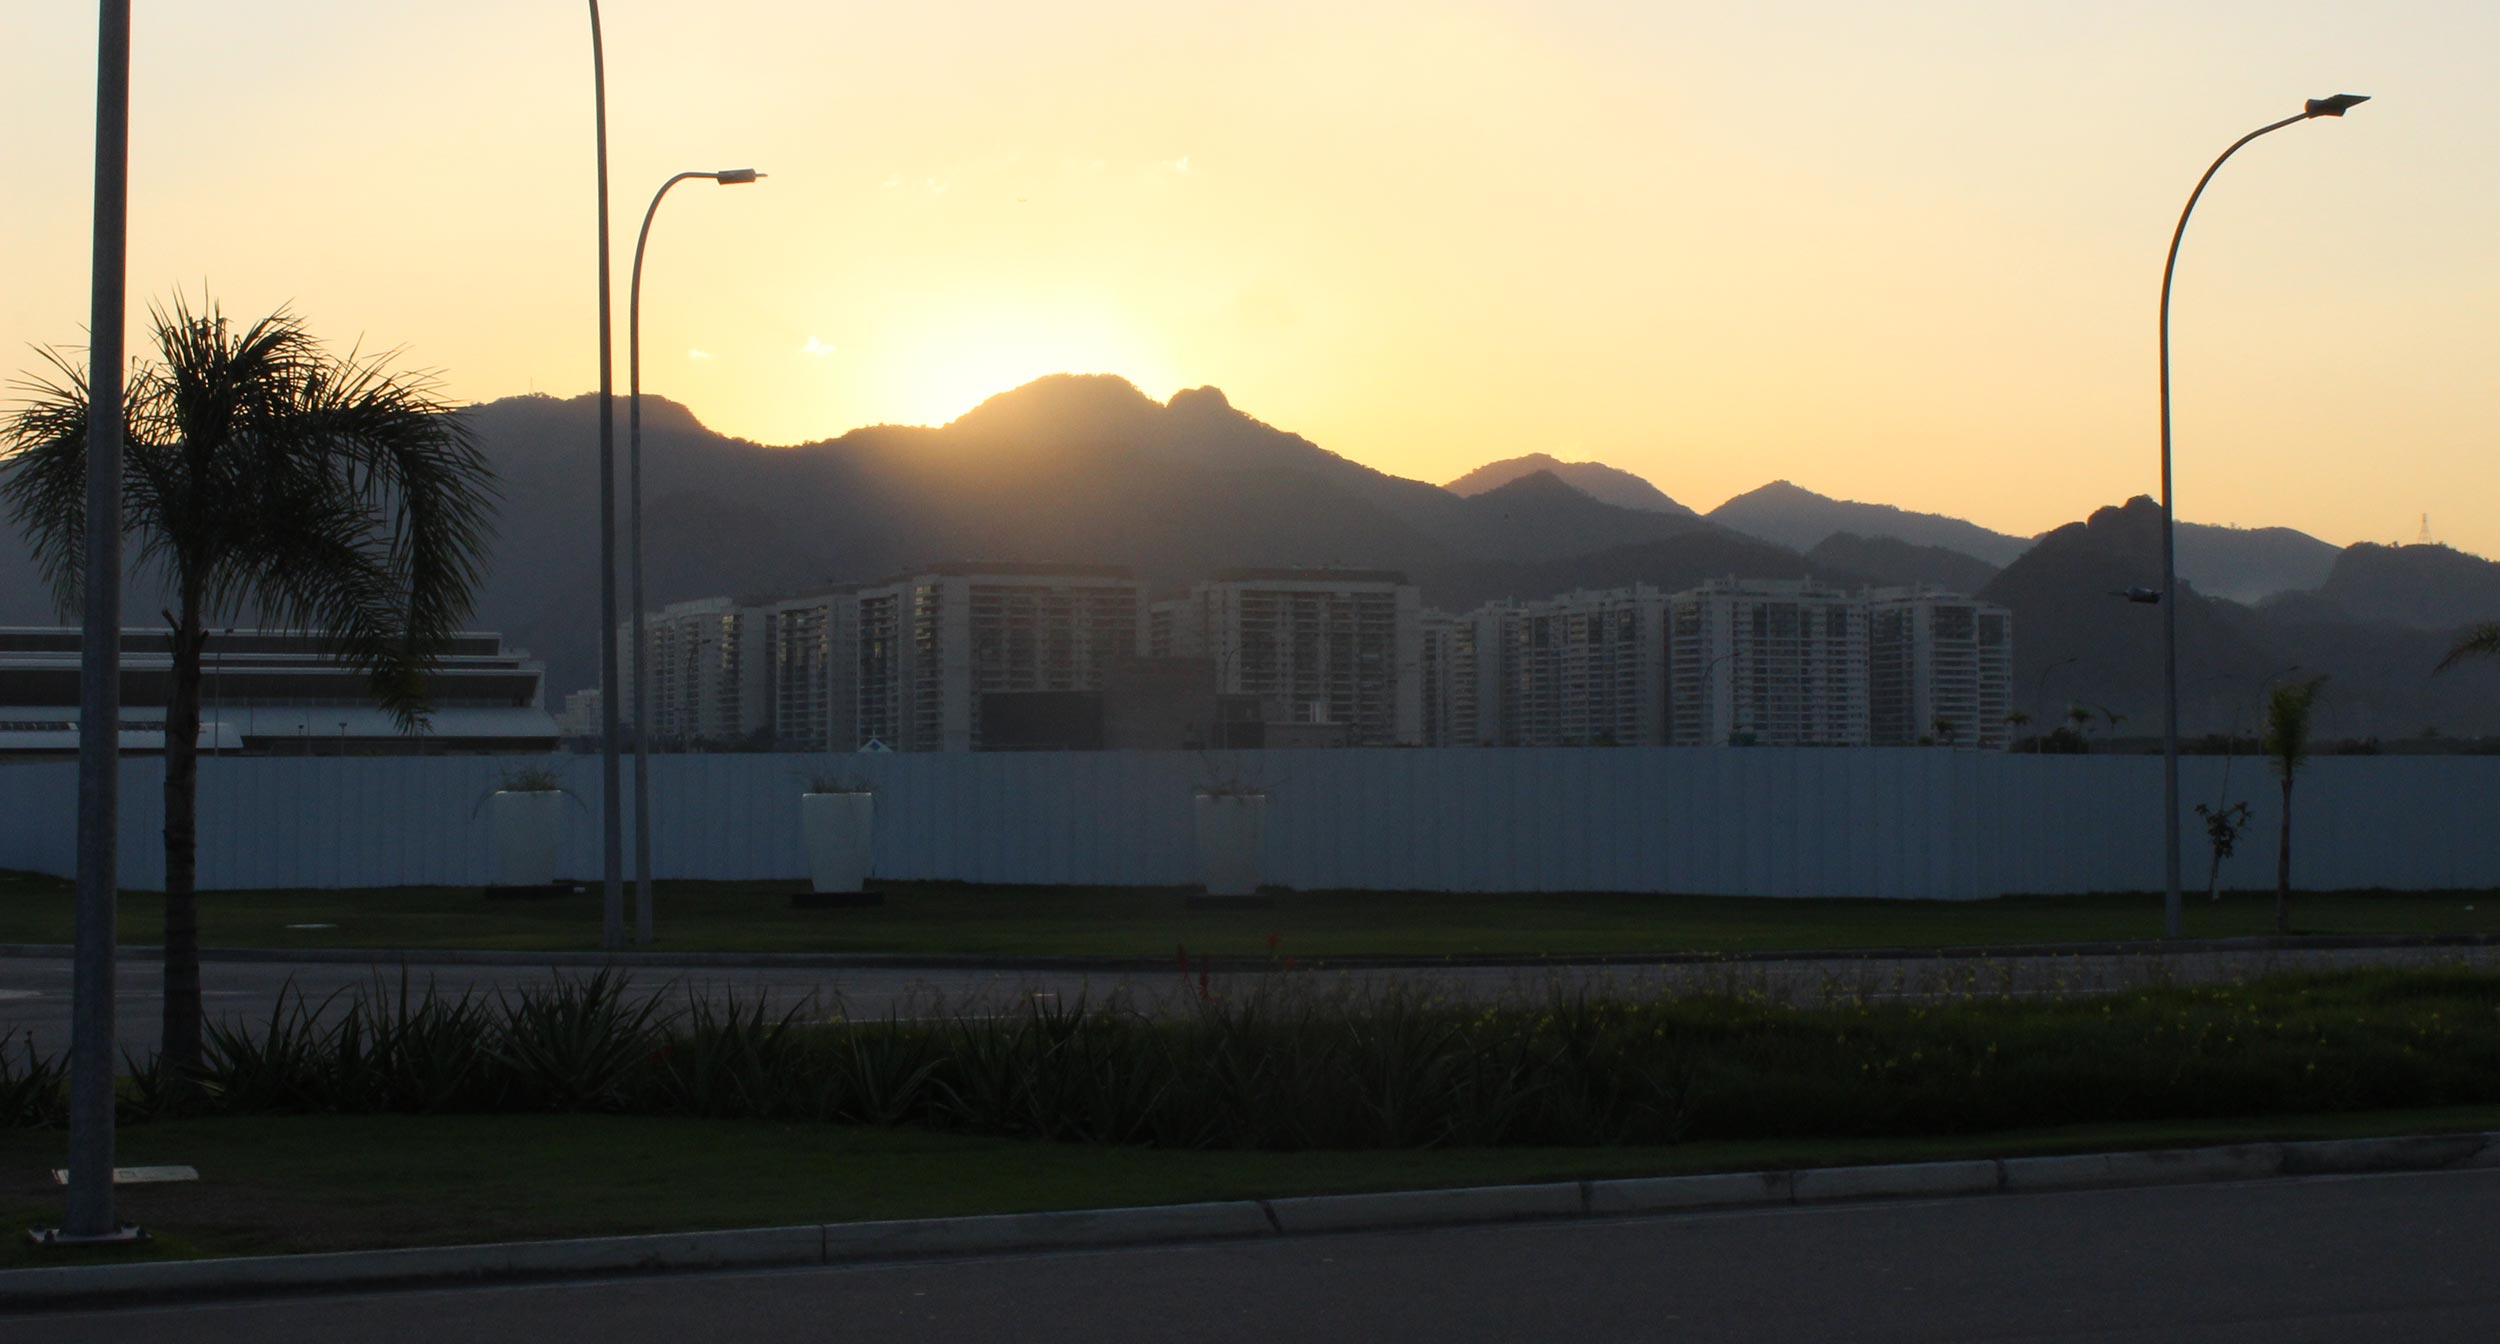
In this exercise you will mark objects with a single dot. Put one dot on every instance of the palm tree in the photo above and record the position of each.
(2015, 721)
(263, 479)
(2483, 641)
(2290, 707)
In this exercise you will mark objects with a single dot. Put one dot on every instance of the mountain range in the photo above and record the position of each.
(1085, 468)
(1605, 484)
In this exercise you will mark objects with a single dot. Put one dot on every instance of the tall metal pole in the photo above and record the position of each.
(90, 1213)
(612, 791)
(643, 914)
(2171, 905)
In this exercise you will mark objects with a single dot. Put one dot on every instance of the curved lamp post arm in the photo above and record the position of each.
(2335, 106)
(728, 177)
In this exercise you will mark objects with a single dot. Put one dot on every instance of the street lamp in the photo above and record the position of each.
(1702, 682)
(727, 177)
(2170, 909)
(611, 772)
(2040, 687)
(89, 1215)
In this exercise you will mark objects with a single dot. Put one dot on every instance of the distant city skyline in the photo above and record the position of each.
(1907, 257)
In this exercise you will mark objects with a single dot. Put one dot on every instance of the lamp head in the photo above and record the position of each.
(738, 177)
(2337, 105)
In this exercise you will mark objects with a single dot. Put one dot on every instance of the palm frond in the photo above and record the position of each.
(266, 478)
(43, 472)
(2291, 709)
(2483, 641)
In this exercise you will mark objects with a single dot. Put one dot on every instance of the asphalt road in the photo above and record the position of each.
(35, 991)
(2353, 1258)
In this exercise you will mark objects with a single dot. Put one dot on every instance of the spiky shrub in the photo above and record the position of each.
(34, 1089)
(1274, 1063)
(577, 1045)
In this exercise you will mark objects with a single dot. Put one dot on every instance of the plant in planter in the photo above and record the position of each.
(837, 821)
(529, 827)
(1231, 820)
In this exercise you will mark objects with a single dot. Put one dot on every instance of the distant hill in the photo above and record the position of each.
(1069, 468)
(2250, 564)
(2077, 641)
(2428, 587)
(1891, 562)
(2244, 565)
(1088, 469)
(1607, 485)
(1798, 518)
(1672, 564)
(25, 599)
(1539, 517)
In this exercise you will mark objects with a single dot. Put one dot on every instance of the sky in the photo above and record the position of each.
(1907, 253)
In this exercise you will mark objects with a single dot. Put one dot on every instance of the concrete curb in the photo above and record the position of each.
(73, 1286)
(1223, 965)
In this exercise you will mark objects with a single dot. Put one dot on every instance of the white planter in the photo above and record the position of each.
(838, 828)
(1229, 827)
(529, 829)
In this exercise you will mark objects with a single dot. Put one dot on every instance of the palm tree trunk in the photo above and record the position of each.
(181, 1046)
(2283, 866)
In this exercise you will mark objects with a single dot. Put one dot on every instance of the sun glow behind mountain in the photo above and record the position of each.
(955, 362)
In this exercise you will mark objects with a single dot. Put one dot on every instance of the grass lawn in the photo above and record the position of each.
(279, 1184)
(935, 918)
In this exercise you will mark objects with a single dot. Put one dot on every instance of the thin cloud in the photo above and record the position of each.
(818, 348)
(701, 354)
(1181, 165)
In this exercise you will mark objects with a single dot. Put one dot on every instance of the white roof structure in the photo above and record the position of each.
(274, 693)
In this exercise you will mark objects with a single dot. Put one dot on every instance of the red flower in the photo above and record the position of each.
(1273, 939)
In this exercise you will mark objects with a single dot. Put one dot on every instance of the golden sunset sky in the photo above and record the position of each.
(1906, 253)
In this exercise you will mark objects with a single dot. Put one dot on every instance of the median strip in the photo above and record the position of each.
(1231, 1220)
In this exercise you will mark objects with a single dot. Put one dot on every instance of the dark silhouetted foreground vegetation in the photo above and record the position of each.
(1283, 1062)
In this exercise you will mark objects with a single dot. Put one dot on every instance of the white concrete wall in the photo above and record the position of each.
(1735, 821)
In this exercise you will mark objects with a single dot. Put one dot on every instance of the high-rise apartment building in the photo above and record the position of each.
(813, 643)
(1335, 647)
(1581, 669)
(1767, 662)
(1449, 680)
(711, 673)
(1941, 669)
(931, 644)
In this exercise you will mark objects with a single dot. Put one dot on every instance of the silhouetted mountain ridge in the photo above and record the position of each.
(1068, 468)
(1790, 515)
(1605, 484)
(2078, 640)
(1088, 469)
(1892, 562)
(2429, 587)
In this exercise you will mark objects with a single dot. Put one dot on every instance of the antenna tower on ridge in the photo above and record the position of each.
(2425, 538)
